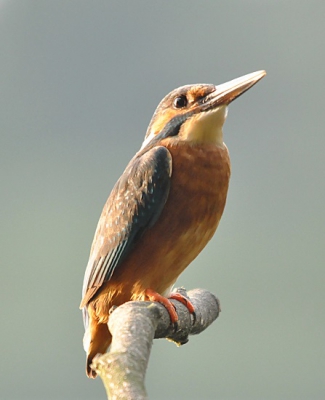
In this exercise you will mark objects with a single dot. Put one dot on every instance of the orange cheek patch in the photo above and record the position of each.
(163, 119)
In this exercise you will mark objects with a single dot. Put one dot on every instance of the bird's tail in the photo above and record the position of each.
(99, 338)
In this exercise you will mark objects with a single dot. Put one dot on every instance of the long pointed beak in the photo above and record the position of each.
(229, 91)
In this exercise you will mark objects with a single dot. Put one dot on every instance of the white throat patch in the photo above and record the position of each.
(205, 127)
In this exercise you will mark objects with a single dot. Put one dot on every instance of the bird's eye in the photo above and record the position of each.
(180, 102)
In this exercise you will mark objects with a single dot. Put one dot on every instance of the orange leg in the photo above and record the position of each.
(154, 296)
(182, 299)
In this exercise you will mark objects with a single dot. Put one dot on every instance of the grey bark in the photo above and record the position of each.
(134, 325)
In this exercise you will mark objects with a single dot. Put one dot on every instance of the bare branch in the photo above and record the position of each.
(134, 325)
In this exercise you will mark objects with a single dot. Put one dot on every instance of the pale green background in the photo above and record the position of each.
(79, 81)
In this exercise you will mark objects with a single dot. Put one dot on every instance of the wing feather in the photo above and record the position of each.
(133, 206)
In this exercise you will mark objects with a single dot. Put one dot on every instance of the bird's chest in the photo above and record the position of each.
(197, 196)
(199, 185)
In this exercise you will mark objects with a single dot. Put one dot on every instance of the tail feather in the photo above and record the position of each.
(100, 340)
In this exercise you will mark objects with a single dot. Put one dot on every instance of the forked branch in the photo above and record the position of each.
(134, 325)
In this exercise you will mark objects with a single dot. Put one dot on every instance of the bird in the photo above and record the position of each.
(163, 210)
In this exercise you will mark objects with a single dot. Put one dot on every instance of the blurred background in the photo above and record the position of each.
(79, 82)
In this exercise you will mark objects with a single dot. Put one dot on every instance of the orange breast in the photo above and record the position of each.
(199, 184)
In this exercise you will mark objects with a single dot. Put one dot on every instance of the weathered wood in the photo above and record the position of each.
(134, 325)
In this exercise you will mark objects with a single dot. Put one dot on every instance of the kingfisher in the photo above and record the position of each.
(164, 208)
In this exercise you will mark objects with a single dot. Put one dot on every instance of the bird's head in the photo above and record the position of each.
(196, 113)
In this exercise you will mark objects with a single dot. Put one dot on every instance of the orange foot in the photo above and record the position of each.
(182, 299)
(154, 296)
